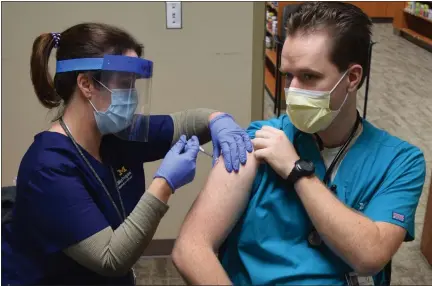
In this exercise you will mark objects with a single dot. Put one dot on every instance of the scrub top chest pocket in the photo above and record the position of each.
(358, 184)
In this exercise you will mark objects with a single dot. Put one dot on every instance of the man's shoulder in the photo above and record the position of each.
(387, 141)
(282, 122)
(392, 152)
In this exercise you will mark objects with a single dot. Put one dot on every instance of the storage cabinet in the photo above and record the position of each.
(376, 9)
(415, 26)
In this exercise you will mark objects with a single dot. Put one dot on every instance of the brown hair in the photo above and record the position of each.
(86, 40)
(348, 25)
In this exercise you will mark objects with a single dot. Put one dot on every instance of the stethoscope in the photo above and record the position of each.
(314, 239)
(122, 213)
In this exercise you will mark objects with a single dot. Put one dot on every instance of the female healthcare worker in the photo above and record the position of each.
(82, 215)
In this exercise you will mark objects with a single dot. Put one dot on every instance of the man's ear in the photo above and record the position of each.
(354, 76)
(85, 85)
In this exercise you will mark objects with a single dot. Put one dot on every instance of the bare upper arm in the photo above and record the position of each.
(391, 237)
(219, 205)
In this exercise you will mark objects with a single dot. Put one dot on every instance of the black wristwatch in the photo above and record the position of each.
(302, 168)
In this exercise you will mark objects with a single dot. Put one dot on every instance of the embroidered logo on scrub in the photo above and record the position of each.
(125, 176)
(399, 217)
(121, 171)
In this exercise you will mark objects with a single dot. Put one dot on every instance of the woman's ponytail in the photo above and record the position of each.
(85, 40)
(42, 81)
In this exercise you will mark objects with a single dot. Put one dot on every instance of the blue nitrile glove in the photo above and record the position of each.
(229, 137)
(178, 166)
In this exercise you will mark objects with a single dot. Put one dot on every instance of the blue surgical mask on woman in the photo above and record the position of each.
(119, 114)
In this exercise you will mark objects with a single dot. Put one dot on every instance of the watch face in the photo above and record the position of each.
(306, 166)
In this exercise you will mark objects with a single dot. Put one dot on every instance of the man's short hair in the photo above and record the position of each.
(348, 26)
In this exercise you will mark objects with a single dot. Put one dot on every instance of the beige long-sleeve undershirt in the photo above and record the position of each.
(113, 252)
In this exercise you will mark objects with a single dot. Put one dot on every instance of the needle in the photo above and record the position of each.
(203, 151)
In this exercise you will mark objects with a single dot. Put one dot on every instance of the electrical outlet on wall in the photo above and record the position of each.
(173, 15)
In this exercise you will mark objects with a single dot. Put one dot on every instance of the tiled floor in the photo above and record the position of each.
(400, 101)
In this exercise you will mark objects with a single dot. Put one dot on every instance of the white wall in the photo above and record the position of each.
(215, 61)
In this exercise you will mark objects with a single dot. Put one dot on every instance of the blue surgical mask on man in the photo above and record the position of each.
(119, 114)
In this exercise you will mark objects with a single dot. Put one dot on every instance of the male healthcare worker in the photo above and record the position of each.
(337, 196)
(83, 214)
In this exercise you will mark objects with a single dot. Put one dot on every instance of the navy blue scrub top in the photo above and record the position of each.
(381, 176)
(60, 202)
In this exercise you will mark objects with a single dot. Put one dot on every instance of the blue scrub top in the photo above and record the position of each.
(59, 203)
(381, 176)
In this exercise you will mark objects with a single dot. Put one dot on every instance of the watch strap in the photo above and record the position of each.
(294, 175)
(298, 172)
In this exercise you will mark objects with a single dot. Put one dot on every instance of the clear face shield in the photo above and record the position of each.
(123, 88)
